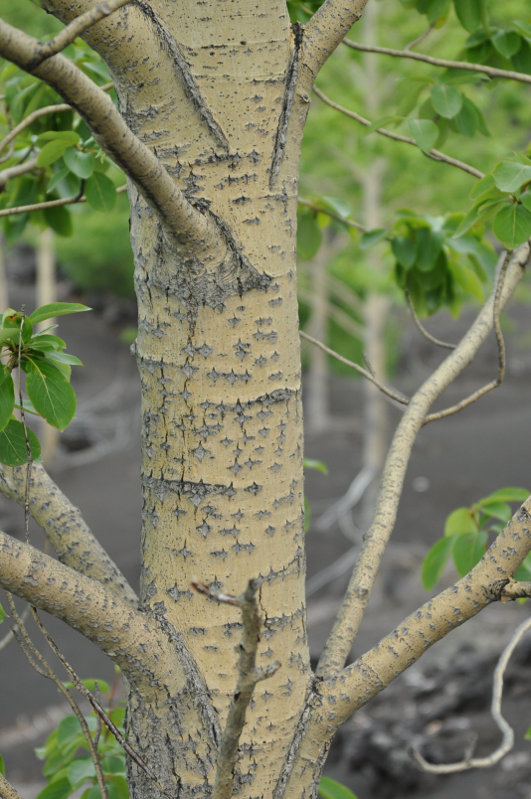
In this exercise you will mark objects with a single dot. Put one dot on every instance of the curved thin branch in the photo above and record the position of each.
(435, 155)
(332, 215)
(500, 343)
(420, 327)
(67, 531)
(118, 629)
(492, 72)
(327, 29)
(30, 119)
(392, 394)
(495, 709)
(28, 209)
(139, 163)
(15, 171)
(74, 29)
(375, 541)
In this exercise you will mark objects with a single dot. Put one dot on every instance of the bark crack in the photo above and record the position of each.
(287, 104)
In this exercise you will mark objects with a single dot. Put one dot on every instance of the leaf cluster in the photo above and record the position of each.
(466, 534)
(47, 367)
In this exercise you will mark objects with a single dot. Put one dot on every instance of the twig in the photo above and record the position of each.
(113, 729)
(248, 676)
(435, 155)
(15, 171)
(8, 637)
(492, 72)
(391, 393)
(345, 221)
(422, 329)
(41, 666)
(480, 392)
(420, 38)
(24, 209)
(74, 29)
(507, 732)
(30, 119)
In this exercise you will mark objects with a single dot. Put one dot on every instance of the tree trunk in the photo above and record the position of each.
(218, 355)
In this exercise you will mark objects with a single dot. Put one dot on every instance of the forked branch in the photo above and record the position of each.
(375, 541)
(327, 29)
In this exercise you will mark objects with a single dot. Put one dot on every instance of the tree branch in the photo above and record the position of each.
(30, 119)
(75, 544)
(435, 155)
(492, 72)
(184, 222)
(327, 29)
(15, 171)
(376, 539)
(111, 623)
(484, 584)
(74, 29)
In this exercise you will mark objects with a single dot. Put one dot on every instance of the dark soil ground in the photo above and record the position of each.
(442, 702)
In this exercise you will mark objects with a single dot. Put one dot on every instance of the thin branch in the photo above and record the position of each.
(435, 155)
(75, 544)
(74, 29)
(25, 209)
(348, 222)
(248, 676)
(98, 709)
(42, 667)
(185, 222)
(15, 171)
(421, 37)
(500, 343)
(375, 541)
(492, 72)
(30, 119)
(326, 30)
(420, 327)
(485, 583)
(391, 393)
(495, 709)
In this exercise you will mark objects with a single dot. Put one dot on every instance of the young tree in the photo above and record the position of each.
(213, 98)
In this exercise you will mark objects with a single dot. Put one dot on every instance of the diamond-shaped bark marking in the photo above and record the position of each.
(188, 369)
(275, 467)
(200, 452)
(204, 529)
(204, 350)
(226, 441)
(234, 321)
(238, 515)
(262, 513)
(241, 348)
(275, 376)
(254, 488)
(275, 356)
(264, 431)
(270, 530)
(235, 468)
(250, 463)
(230, 531)
(260, 360)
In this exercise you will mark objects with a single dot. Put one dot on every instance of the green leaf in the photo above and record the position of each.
(470, 13)
(8, 337)
(69, 136)
(7, 396)
(63, 357)
(100, 192)
(51, 394)
(3, 615)
(117, 786)
(59, 219)
(525, 199)
(507, 43)
(528, 734)
(467, 279)
(468, 551)
(510, 494)
(424, 132)
(13, 320)
(512, 225)
(428, 247)
(496, 509)
(510, 175)
(2, 766)
(405, 251)
(53, 309)
(446, 100)
(467, 119)
(67, 729)
(52, 152)
(59, 789)
(435, 561)
(80, 770)
(317, 466)
(372, 237)
(330, 789)
(81, 164)
(13, 451)
(460, 521)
